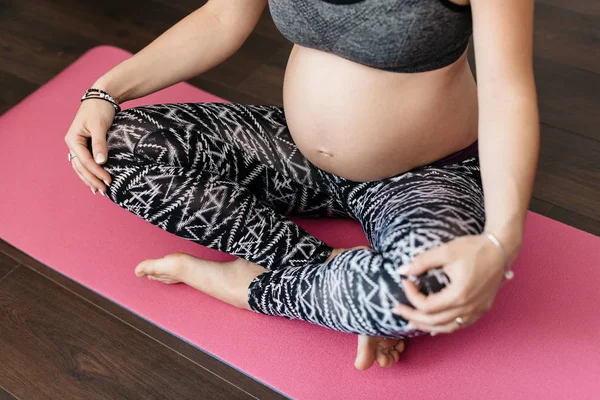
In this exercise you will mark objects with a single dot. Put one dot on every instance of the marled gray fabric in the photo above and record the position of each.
(393, 35)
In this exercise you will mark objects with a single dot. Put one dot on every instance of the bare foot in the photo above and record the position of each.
(375, 348)
(226, 281)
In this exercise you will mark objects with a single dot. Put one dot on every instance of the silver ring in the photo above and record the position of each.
(460, 321)
(71, 156)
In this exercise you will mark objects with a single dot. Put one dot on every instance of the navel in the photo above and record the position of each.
(326, 153)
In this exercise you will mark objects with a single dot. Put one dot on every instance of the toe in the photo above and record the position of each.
(143, 268)
(366, 352)
(400, 346)
(395, 355)
(388, 351)
(384, 359)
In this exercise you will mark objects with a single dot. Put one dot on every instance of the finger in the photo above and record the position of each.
(449, 327)
(435, 302)
(82, 178)
(365, 354)
(92, 180)
(440, 318)
(432, 258)
(79, 148)
(75, 168)
(99, 149)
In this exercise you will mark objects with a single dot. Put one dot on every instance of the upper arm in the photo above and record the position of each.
(503, 38)
(241, 15)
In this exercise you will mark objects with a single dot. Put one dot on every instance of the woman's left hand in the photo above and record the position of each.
(475, 267)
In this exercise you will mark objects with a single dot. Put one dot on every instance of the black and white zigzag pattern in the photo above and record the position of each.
(225, 176)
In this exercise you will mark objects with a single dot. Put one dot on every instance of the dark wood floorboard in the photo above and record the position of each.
(575, 219)
(33, 55)
(14, 90)
(539, 206)
(587, 7)
(68, 19)
(167, 340)
(4, 395)
(65, 341)
(68, 346)
(265, 81)
(569, 171)
(574, 44)
(569, 98)
(7, 264)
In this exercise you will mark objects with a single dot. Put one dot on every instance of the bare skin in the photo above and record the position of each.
(229, 281)
(358, 122)
(388, 117)
(366, 124)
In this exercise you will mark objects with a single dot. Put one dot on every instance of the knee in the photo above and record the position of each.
(376, 287)
(141, 136)
(128, 128)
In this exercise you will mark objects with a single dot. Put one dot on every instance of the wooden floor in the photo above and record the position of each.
(59, 340)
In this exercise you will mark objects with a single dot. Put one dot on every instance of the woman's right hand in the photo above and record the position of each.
(92, 120)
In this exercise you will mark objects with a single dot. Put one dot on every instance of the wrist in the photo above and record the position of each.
(509, 236)
(109, 87)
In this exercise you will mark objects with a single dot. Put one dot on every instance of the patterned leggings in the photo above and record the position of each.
(224, 176)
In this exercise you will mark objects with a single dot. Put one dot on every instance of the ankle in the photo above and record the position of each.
(240, 275)
(242, 267)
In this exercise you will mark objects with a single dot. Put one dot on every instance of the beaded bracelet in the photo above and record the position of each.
(508, 274)
(102, 95)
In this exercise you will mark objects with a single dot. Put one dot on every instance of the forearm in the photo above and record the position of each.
(509, 152)
(194, 45)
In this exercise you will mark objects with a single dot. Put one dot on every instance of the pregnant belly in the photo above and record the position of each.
(366, 124)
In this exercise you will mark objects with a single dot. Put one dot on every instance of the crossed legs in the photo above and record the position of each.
(402, 217)
(224, 176)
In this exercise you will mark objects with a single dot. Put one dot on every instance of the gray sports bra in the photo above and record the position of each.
(393, 35)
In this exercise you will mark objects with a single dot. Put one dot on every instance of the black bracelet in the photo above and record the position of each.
(90, 90)
(94, 93)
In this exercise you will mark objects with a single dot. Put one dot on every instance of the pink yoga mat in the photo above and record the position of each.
(541, 340)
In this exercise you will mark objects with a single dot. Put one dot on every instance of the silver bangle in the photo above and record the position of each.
(508, 274)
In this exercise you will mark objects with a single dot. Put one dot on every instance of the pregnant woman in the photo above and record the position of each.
(382, 123)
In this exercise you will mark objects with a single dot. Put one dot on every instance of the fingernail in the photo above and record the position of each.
(100, 158)
(404, 269)
(93, 191)
(102, 193)
(397, 308)
(433, 333)
(409, 327)
(105, 182)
